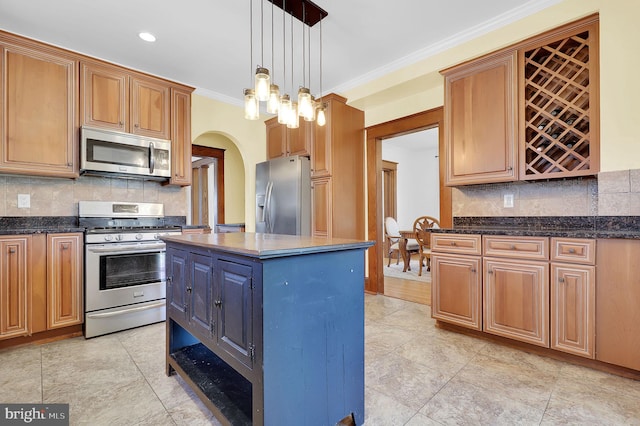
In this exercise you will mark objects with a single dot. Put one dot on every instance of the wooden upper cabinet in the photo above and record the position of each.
(150, 103)
(283, 141)
(104, 97)
(480, 120)
(118, 99)
(39, 111)
(559, 123)
(180, 137)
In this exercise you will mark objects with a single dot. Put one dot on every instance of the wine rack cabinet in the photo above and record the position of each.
(559, 135)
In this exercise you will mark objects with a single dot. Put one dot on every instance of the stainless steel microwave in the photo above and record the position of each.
(117, 154)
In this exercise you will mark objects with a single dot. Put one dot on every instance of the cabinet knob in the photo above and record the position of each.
(512, 247)
(218, 303)
(572, 250)
(12, 250)
(473, 270)
(490, 271)
(561, 279)
(188, 289)
(453, 243)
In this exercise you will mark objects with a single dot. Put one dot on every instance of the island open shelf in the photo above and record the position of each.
(268, 329)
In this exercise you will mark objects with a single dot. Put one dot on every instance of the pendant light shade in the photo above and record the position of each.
(251, 106)
(294, 120)
(304, 103)
(321, 119)
(273, 103)
(263, 84)
(284, 109)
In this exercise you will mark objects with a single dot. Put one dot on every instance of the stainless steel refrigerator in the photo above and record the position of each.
(283, 196)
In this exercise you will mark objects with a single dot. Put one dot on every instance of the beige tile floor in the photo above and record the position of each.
(415, 373)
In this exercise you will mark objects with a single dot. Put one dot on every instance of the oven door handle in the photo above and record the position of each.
(131, 249)
(126, 310)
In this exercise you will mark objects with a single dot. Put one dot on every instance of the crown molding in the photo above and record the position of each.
(527, 9)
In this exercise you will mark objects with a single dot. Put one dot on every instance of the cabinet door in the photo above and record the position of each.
(104, 97)
(40, 114)
(321, 148)
(573, 308)
(516, 300)
(618, 299)
(234, 300)
(150, 105)
(299, 140)
(177, 276)
(180, 137)
(64, 280)
(480, 131)
(456, 294)
(199, 292)
(276, 139)
(14, 287)
(321, 194)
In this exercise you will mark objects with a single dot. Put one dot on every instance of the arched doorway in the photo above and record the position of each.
(375, 135)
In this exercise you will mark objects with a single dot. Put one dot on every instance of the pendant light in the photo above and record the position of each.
(262, 80)
(273, 103)
(293, 122)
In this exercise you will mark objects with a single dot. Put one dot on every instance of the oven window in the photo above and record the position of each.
(126, 270)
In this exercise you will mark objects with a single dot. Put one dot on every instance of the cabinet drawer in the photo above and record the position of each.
(536, 248)
(456, 243)
(576, 250)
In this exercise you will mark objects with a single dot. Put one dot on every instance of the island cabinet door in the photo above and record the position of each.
(234, 300)
(176, 269)
(199, 296)
(457, 290)
(516, 300)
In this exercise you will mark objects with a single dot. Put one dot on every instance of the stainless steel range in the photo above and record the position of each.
(124, 264)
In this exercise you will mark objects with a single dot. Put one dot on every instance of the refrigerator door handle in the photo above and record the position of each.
(266, 212)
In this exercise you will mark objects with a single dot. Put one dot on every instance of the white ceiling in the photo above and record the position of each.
(206, 43)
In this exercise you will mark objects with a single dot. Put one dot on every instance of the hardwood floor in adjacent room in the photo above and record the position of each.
(407, 289)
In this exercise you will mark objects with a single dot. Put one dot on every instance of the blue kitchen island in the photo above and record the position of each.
(268, 329)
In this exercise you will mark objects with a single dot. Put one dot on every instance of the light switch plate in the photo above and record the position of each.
(508, 200)
(24, 201)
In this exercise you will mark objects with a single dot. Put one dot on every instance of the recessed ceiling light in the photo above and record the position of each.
(147, 37)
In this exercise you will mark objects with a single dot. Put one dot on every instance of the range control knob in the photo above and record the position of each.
(138, 236)
(119, 237)
(156, 236)
(108, 237)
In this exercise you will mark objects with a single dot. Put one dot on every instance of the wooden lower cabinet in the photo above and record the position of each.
(573, 293)
(516, 300)
(15, 286)
(321, 199)
(457, 297)
(618, 302)
(64, 280)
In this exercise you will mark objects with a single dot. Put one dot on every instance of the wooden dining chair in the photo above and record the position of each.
(392, 234)
(422, 227)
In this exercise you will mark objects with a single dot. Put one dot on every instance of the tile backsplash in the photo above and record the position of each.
(59, 197)
(611, 194)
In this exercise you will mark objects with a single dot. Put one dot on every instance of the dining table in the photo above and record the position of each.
(402, 246)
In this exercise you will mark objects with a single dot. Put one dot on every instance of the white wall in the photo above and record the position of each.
(417, 175)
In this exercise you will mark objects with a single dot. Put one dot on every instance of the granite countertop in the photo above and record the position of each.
(266, 246)
(20, 225)
(624, 227)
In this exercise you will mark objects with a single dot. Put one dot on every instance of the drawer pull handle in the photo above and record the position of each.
(572, 250)
(512, 247)
(453, 243)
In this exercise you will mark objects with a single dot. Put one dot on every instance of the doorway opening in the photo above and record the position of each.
(375, 135)
(207, 186)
